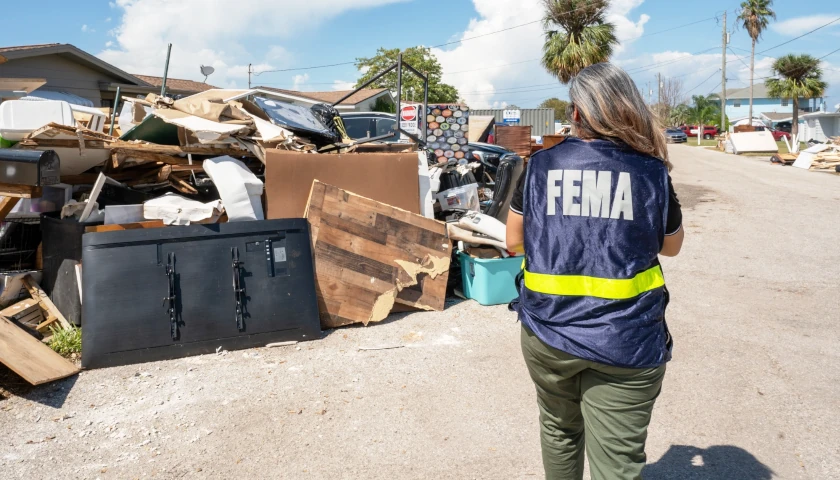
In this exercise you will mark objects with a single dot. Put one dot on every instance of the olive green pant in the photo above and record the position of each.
(582, 402)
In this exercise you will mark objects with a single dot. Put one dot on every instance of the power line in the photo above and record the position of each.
(797, 38)
(704, 81)
(668, 62)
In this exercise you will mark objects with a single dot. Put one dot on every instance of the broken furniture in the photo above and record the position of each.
(19, 118)
(515, 138)
(369, 256)
(162, 293)
(30, 358)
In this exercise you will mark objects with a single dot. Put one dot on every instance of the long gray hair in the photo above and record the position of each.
(611, 108)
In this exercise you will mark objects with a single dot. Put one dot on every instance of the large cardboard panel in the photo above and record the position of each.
(390, 178)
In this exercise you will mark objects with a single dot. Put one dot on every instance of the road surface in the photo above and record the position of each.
(752, 392)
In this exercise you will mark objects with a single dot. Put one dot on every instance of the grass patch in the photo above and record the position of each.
(66, 342)
(692, 142)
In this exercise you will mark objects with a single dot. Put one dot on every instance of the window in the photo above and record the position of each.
(736, 103)
(357, 127)
(784, 102)
(385, 126)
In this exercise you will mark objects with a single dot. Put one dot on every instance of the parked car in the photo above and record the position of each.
(778, 135)
(784, 126)
(709, 131)
(675, 135)
(370, 124)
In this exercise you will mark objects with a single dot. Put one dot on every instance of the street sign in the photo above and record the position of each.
(408, 113)
(511, 116)
(409, 116)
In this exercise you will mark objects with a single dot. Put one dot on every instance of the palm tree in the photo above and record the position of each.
(577, 35)
(679, 115)
(800, 77)
(704, 112)
(755, 15)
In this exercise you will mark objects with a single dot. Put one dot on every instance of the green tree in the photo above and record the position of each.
(705, 111)
(382, 105)
(800, 76)
(577, 35)
(418, 57)
(559, 107)
(679, 115)
(755, 16)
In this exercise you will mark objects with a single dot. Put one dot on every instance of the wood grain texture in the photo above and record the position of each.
(124, 226)
(515, 138)
(369, 256)
(47, 305)
(29, 358)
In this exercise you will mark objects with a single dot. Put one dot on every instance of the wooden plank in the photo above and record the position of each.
(29, 358)
(7, 204)
(515, 138)
(124, 226)
(132, 148)
(369, 256)
(20, 309)
(39, 294)
(21, 191)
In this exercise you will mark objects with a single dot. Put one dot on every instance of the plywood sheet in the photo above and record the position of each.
(753, 142)
(30, 358)
(369, 256)
(514, 138)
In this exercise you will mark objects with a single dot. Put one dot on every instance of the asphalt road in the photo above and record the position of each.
(752, 392)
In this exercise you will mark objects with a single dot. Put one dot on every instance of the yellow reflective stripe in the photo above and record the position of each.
(580, 285)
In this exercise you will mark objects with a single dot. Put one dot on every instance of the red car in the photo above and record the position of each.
(778, 135)
(709, 131)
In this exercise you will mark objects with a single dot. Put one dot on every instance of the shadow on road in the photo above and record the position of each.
(719, 462)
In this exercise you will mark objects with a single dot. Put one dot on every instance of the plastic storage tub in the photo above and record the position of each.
(19, 118)
(459, 198)
(490, 281)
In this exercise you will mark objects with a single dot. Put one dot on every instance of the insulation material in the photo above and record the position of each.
(206, 131)
(753, 142)
(240, 189)
(447, 131)
(480, 127)
(176, 210)
(370, 256)
(484, 224)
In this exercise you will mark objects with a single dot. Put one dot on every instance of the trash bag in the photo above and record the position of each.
(329, 116)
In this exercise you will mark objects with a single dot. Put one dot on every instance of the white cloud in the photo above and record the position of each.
(108, 20)
(109, 44)
(481, 69)
(299, 81)
(799, 25)
(87, 29)
(343, 85)
(214, 34)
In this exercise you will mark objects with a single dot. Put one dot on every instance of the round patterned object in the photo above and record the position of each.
(459, 134)
(447, 113)
(439, 152)
(448, 133)
(455, 147)
(440, 119)
(434, 145)
(451, 120)
(465, 108)
(436, 111)
(431, 138)
(455, 127)
(438, 132)
(459, 154)
(458, 114)
(434, 125)
(449, 154)
(454, 107)
(444, 126)
(451, 140)
(465, 128)
(462, 141)
(430, 118)
(441, 160)
(462, 120)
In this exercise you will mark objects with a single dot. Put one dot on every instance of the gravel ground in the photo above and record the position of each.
(752, 392)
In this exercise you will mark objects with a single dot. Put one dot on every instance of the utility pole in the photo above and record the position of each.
(648, 92)
(724, 41)
(249, 76)
(659, 88)
(165, 71)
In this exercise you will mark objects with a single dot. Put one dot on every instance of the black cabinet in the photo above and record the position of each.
(170, 292)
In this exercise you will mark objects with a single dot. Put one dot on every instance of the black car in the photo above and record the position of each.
(675, 135)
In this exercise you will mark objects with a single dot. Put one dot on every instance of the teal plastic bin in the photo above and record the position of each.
(490, 281)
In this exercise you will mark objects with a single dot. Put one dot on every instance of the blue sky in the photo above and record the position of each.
(493, 70)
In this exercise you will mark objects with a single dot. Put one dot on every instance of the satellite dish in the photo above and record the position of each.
(207, 71)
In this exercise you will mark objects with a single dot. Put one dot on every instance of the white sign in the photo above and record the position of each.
(409, 115)
(511, 116)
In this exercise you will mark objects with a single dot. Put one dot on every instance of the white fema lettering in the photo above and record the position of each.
(593, 190)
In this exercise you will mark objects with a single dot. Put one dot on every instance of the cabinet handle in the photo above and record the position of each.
(238, 291)
(170, 275)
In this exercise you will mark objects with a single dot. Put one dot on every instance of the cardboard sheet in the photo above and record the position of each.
(390, 178)
(206, 131)
(753, 142)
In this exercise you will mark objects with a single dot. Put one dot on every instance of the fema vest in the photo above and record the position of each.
(594, 222)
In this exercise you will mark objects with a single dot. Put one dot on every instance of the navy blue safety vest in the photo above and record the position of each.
(594, 222)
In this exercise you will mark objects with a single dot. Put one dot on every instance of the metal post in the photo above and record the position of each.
(114, 112)
(425, 108)
(165, 71)
(399, 89)
(249, 76)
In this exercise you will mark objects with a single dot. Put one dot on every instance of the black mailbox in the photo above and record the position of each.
(37, 168)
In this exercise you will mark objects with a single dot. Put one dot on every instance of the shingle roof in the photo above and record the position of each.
(27, 47)
(759, 91)
(779, 116)
(176, 83)
(330, 97)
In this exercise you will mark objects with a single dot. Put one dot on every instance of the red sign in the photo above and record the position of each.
(408, 113)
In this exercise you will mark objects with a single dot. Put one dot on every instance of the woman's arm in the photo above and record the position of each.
(515, 233)
(674, 233)
(672, 244)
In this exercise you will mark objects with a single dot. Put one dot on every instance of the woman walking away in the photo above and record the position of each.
(592, 214)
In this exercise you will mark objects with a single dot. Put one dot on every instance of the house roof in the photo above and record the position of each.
(65, 49)
(781, 116)
(759, 91)
(176, 84)
(333, 96)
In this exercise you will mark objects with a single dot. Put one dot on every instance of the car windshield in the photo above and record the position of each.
(674, 130)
